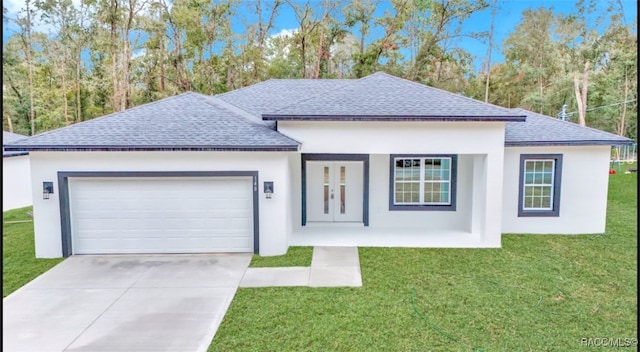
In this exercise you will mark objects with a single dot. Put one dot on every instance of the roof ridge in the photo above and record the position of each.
(346, 84)
(245, 87)
(219, 103)
(436, 89)
(567, 122)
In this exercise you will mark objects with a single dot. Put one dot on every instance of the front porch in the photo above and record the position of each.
(364, 236)
(321, 201)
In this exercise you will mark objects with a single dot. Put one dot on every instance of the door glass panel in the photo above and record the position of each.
(326, 190)
(342, 190)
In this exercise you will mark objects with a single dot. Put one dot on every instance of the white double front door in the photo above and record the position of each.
(334, 191)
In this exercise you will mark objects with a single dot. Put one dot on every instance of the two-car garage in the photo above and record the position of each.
(155, 212)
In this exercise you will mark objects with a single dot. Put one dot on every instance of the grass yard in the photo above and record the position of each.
(19, 263)
(296, 256)
(537, 293)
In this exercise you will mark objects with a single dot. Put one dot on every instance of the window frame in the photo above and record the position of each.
(556, 186)
(453, 172)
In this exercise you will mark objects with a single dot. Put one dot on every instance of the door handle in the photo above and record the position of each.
(331, 197)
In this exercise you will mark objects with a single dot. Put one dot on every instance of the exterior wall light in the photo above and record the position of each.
(47, 189)
(268, 189)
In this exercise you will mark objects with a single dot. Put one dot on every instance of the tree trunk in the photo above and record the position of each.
(78, 100)
(487, 78)
(28, 52)
(124, 80)
(9, 122)
(161, 54)
(316, 71)
(114, 59)
(302, 55)
(64, 98)
(622, 123)
(581, 93)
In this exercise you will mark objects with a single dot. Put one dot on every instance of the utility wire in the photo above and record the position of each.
(604, 106)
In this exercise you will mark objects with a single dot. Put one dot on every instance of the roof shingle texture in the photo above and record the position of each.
(385, 96)
(188, 121)
(544, 130)
(10, 137)
(278, 93)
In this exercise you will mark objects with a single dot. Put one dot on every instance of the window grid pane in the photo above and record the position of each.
(430, 188)
(538, 184)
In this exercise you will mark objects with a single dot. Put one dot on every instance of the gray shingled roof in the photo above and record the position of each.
(384, 97)
(542, 130)
(10, 137)
(278, 93)
(188, 121)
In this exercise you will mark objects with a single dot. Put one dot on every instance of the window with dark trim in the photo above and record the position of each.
(539, 186)
(422, 182)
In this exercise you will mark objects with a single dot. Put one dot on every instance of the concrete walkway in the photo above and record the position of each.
(330, 267)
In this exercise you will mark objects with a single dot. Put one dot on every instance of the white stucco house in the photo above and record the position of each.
(16, 175)
(376, 161)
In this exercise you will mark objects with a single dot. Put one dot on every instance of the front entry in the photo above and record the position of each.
(334, 191)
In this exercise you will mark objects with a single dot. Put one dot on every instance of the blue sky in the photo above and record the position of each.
(508, 18)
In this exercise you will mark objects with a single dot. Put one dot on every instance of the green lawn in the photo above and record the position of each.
(537, 293)
(19, 263)
(296, 256)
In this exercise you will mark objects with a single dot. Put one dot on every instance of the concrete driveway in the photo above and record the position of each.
(123, 303)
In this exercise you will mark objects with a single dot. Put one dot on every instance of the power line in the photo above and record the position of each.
(604, 106)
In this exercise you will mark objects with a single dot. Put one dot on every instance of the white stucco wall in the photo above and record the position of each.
(16, 182)
(271, 166)
(479, 146)
(583, 195)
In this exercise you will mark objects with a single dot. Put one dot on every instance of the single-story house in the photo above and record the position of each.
(376, 161)
(16, 175)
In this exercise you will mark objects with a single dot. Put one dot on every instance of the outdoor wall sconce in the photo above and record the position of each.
(47, 189)
(268, 189)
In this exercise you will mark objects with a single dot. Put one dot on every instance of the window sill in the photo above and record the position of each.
(538, 213)
(422, 207)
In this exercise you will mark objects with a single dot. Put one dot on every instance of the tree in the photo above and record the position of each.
(531, 54)
(24, 20)
(73, 30)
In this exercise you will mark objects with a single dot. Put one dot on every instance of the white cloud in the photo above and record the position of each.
(285, 33)
(138, 53)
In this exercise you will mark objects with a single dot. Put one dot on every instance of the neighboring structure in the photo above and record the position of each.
(16, 175)
(377, 161)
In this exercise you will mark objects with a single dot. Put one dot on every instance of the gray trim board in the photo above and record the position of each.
(13, 154)
(337, 157)
(424, 207)
(557, 178)
(276, 117)
(65, 215)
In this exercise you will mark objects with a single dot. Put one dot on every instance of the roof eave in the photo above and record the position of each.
(277, 117)
(565, 143)
(131, 148)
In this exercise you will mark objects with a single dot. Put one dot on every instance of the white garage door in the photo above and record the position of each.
(161, 215)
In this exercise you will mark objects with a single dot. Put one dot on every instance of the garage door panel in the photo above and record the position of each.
(161, 215)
